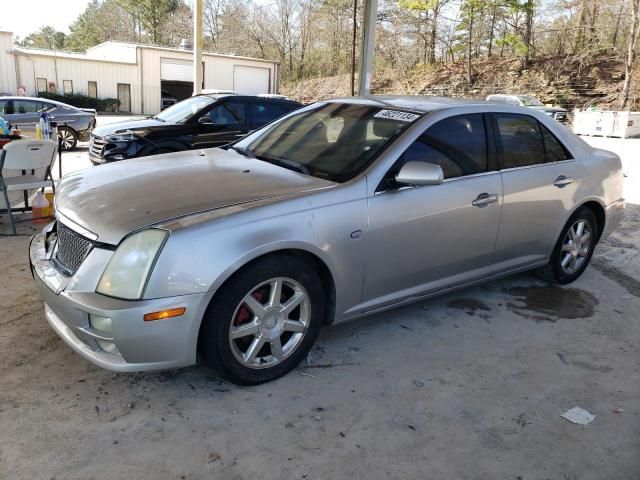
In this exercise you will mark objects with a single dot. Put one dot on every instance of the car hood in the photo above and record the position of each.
(115, 199)
(120, 127)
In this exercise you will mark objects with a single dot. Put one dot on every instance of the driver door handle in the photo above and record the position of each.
(485, 199)
(562, 181)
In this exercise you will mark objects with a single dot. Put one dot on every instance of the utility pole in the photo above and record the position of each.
(197, 47)
(367, 46)
(353, 47)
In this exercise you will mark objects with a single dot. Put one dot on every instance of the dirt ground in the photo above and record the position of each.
(466, 386)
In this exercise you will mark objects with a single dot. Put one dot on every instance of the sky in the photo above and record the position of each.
(23, 17)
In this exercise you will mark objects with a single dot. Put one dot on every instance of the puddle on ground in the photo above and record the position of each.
(550, 302)
(470, 305)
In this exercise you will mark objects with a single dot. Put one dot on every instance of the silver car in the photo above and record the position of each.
(338, 210)
(74, 124)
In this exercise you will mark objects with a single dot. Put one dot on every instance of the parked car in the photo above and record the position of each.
(167, 99)
(559, 114)
(74, 124)
(338, 210)
(202, 121)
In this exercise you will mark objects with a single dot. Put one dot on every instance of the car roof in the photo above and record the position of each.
(40, 99)
(218, 96)
(416, 103)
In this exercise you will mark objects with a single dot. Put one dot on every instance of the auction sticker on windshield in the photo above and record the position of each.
(397, 115)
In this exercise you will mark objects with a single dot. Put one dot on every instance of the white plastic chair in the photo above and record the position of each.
(23, 156)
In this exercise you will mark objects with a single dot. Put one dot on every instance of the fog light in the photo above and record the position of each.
(108, 347)
(101, 323)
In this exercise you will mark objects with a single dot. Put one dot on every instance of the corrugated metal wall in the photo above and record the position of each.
(144, 76)
(7, 65)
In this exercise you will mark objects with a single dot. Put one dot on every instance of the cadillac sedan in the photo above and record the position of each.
(338, 210)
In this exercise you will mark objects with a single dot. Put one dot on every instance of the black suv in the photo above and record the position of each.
(202, 121)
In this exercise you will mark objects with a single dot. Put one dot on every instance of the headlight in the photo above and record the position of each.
(127, 271)
(122, 137)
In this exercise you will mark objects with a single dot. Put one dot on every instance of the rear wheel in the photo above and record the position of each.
(264, 320)
(574, 248)
(68, 138)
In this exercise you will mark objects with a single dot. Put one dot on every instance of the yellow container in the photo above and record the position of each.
(50, 210)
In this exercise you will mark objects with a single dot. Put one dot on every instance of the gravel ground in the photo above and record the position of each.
(470, 385)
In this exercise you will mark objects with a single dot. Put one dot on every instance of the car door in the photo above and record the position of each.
(540, 179)
(425, 239)
(227, 122)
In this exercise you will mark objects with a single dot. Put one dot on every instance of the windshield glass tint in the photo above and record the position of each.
(183, 111)
(530, 101)
(334, 141)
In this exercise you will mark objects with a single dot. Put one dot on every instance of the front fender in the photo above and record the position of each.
(201, 258)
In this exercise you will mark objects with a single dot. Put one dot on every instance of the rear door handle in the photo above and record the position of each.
(562, 181)
(485, 199)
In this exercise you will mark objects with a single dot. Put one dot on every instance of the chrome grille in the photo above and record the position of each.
(96, 147)
(72, 249)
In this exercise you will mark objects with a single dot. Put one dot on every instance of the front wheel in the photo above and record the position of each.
(574, 248)
(264, 320)
(68, 138)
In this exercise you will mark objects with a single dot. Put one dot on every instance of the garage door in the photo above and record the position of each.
(250, 80)
(177, 70)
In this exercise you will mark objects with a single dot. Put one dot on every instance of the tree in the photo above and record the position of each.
(45, 37)
(631, 52)
(101, 21)
(151, 15)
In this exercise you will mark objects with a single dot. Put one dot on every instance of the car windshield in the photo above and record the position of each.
(530, 101)
(335, 141)
(184, 110)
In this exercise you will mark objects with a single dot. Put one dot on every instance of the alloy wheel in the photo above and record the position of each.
(575, 247)
(269, 323)
(68, 140)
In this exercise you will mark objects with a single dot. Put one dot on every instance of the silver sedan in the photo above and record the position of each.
(338, 210)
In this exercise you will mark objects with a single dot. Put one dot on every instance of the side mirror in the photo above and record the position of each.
(420, 173)
(205, 121)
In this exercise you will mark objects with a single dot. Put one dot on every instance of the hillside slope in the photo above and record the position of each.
(571, 81)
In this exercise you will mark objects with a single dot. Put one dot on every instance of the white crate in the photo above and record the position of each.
(607, 124)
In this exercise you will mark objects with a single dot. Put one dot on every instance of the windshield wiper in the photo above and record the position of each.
(286, 163)
(243, 151)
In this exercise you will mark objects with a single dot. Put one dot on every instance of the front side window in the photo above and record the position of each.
(520, 142)
(335, 141)
(185, 110)
(228, 113)
(28, 106)
(457, 144)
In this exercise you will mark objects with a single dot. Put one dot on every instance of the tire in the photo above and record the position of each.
(69, 138)
(242, 345)
(569, 260)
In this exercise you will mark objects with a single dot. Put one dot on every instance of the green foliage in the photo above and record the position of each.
(514, 41)
(84, 101)
(47, 37)
(151, 14)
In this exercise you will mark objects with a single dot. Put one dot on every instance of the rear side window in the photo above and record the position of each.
(555, 151)
(266, 112)
(457, 144)
(520, 142)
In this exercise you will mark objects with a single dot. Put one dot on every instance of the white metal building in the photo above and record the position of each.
(135, 74)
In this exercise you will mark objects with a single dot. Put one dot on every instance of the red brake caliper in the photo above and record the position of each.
(244, 315)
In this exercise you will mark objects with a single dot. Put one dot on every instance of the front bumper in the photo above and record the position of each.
(141, 345)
